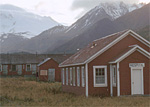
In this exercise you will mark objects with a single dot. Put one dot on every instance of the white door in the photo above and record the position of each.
(51, 75)
(136, 81)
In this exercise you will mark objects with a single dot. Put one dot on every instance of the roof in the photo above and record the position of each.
(30, 58)
(128, 52)
(47, 59)
(97, 47)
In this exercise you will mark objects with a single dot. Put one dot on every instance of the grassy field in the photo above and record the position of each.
(27, 92)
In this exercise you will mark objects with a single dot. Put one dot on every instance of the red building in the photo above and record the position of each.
(114, 65)
(48, 70)
(24, 64)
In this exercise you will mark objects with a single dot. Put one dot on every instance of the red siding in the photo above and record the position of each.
(50, 64)
(105, 58)
(24, 72)
(79, 90)
(125, 73)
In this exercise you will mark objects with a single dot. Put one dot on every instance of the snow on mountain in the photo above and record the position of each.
(16, 20)
(109, 10)
(117, 9)
(58, 36)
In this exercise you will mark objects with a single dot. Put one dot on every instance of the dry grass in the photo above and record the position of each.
(28, 92)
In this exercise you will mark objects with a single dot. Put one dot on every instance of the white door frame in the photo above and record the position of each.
(141, 68)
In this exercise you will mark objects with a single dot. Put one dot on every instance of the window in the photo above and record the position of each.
(78, 76)
(83, 77)
(63, 76)
(19, 69)
(5, 68)
(33, 68)
(14, 68)
(28, 67)
(66, 76)
(0, 68)
(114, 75)
(43, 72)
(100, 76)
(70, 76)
(74, 77)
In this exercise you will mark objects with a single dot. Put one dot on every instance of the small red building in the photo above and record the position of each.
(114, 65)
(48, 70)
(24, 64)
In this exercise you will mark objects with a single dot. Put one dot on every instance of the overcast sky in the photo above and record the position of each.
(63, 11)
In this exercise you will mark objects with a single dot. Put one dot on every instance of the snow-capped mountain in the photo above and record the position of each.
(16, 20)
(110, 10)
(54, 38)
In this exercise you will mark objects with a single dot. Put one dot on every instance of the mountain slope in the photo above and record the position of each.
(16, 20)
(55, 37)
(145, 32)
(105, 27)
(9, 41)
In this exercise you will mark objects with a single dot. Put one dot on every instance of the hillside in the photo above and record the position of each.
(133, 20)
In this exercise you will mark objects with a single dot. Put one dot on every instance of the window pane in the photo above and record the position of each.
(14, 68)
(74, 76)
(28, 68)
(66, 76)
(70, 76)
(5, 68)
(100, 75)
(78, 76)
(83, 77)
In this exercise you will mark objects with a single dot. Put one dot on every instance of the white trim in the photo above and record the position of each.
(63, 76)
(118, 80)
(138, 48)
(71, 65)
(141, 38)
(141, 76)
(94, 80)
(148, 56)
(114, 66)
(86, 89)
(47, 59)
(111, 86)
(107, 47)
(110, 45)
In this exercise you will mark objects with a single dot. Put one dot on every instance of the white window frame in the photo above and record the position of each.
(71, 81)
(83, 76)
(6, 70)
(63, 76)
(66, 76)
(26, 67)
(94, 76)
(74, 76)
(113, 79)
(78, 76)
